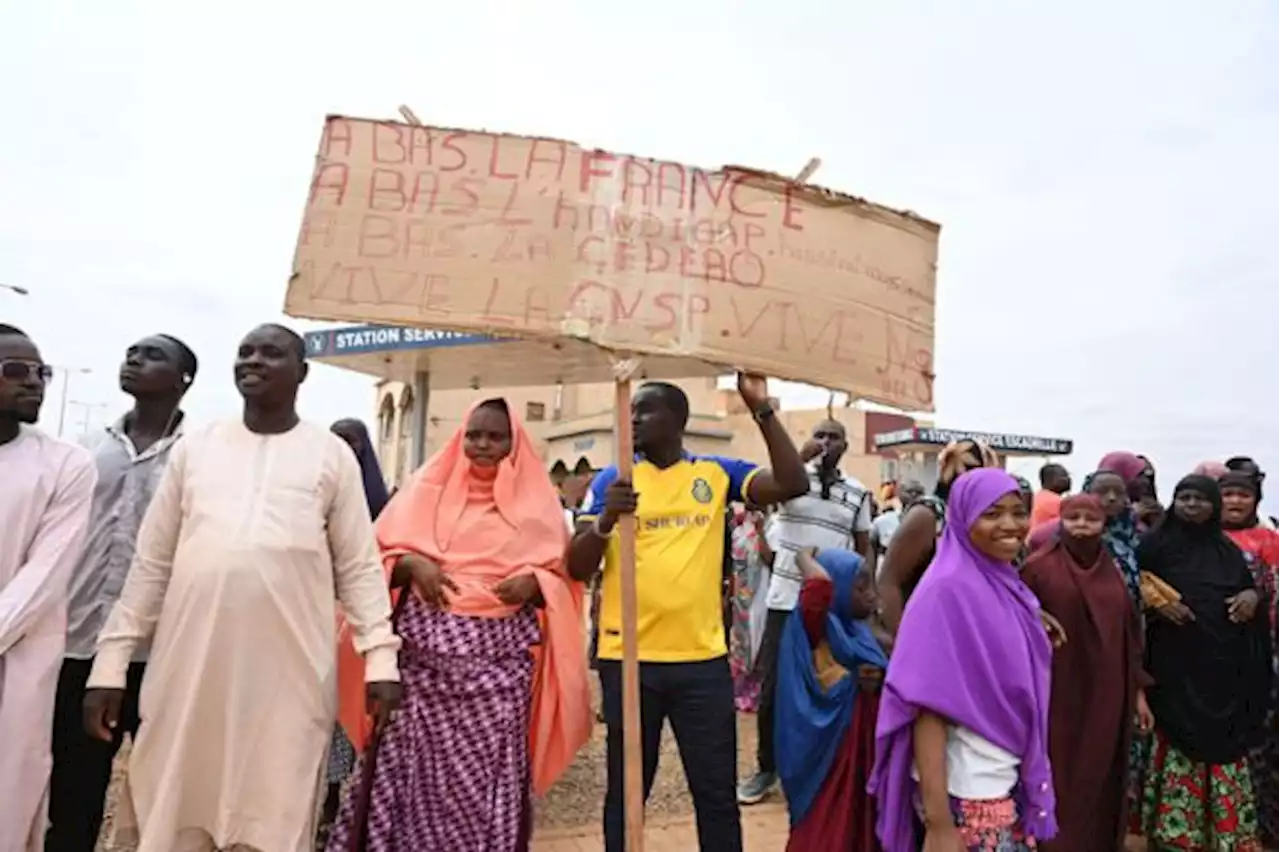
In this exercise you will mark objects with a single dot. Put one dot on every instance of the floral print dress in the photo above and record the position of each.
(1197, 806)
(750, 576)
(990, 826)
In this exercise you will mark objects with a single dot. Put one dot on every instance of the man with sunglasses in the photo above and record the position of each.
(46, 489)
(130, 455)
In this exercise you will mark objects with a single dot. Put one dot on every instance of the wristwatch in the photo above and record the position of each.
(763, 413)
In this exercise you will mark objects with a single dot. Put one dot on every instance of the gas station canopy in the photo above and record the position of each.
(458, 360)
(925, 439)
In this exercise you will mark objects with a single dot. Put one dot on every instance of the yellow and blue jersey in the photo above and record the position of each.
(680, 534)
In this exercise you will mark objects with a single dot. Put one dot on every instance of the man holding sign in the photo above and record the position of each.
(679, 500)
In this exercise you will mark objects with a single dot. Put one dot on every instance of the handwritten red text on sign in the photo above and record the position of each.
(539, 237)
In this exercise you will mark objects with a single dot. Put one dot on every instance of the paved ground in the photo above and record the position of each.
(764, 830)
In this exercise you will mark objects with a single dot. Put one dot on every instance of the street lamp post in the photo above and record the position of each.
(66, 383)
(89, 408)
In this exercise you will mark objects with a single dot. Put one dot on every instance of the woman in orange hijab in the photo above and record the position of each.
(494, 672)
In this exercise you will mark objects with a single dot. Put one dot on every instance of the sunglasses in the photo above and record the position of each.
(20, 370)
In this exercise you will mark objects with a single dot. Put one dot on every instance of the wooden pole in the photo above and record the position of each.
(632, 753)
(809, 168)
(408, 115)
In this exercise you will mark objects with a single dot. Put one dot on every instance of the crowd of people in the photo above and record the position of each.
(303, 659)
(1073, 672)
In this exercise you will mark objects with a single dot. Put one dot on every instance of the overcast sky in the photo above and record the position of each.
(1105, 173)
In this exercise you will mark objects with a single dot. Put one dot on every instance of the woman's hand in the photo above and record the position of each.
(1243, 606)
(1143, 717)
(428, 580)
(1178, 613)
(519, 590)
(942, 837)
(381, 700)
(1053, 627)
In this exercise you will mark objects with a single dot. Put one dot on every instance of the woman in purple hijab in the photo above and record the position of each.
(962, 737)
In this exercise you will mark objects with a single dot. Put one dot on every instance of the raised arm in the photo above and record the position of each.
(873, 563)
(862, 526)
(134, 616)
(764, 547)
(360, 582)
(903, 562)
(807, 562)
(816, 596)
(41, 581)
(786, 476)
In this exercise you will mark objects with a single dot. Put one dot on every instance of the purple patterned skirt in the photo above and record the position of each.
(452, 771)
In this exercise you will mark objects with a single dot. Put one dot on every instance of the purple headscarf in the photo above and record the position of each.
(971, 649)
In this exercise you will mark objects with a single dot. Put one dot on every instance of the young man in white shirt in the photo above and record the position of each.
(835, 513)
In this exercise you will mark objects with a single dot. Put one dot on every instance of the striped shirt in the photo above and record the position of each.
(810, 521)
(127, 481)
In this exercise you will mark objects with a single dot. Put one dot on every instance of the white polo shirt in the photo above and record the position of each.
(810, 521)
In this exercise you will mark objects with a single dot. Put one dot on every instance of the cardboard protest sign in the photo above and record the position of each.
(532, 237)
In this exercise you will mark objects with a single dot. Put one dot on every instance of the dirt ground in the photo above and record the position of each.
(581, 790)
(764, 829)
(579, 796)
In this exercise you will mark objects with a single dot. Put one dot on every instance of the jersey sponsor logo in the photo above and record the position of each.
(702, 490)
(675, 522)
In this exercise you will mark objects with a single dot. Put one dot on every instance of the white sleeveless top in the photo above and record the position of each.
(977, 768)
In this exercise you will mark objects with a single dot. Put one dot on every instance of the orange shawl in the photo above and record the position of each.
(423, 518)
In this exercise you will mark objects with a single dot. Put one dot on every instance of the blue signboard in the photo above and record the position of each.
(363, 339)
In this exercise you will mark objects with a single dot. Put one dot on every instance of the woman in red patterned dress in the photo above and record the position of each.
(1240, 495)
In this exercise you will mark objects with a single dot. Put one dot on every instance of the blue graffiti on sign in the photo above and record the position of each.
(363, 339)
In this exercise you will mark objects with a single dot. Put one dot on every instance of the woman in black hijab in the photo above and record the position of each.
(342, 755)
(1211, 665)
(356, 434)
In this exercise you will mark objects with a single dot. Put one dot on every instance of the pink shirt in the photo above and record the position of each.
(45, 495)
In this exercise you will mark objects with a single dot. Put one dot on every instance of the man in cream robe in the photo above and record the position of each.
(46, 488)
(256, 526)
